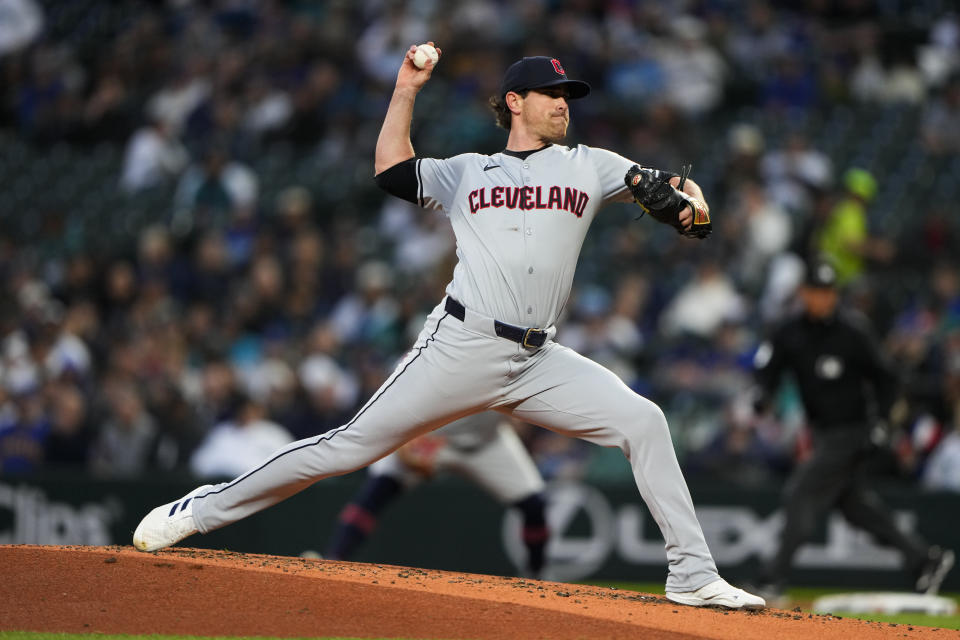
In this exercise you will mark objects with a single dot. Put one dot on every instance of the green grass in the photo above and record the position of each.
(804, 596)
(909, 619)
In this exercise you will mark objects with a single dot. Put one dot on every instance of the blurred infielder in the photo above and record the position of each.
(520, 217)
(483, 448)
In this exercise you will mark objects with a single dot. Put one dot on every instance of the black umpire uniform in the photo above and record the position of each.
(845, 387)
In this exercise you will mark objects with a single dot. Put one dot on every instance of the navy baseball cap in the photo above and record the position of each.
(538, 72)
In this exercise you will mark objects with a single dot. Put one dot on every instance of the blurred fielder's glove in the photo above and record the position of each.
(652, 190)
(420, 454)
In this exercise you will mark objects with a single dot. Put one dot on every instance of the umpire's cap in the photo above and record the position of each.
(538, 72)
(821, 274)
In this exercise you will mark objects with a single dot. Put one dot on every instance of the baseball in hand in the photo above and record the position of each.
(425, 52)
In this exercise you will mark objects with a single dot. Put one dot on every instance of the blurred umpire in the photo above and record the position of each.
(847, 390)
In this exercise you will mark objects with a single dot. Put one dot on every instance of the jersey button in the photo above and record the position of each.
(526, 166)
(529, 231)
(529, 310)
(530, 270)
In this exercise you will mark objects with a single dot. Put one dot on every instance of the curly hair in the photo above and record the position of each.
(501, 112)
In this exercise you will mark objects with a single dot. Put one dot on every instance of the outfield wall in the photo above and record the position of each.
(600, 533)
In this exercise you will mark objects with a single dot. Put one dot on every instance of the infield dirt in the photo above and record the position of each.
(202, 592)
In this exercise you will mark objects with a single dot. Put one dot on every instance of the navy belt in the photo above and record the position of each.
(531, 338)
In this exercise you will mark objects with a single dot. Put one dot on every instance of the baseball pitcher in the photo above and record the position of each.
(520, 217)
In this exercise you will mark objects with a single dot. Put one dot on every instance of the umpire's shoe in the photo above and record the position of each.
(167, 524)
(934, 570)
(718, 593)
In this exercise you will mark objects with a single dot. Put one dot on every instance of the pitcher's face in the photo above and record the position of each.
(545, 113)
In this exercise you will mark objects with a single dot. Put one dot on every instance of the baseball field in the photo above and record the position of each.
(190, 592)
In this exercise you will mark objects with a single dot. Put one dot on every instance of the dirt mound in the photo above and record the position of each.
(201, 592)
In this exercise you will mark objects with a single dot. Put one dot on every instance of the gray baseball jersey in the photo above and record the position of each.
(520, 223)
(519, 220)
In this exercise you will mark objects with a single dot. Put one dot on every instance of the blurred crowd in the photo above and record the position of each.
(243, 322)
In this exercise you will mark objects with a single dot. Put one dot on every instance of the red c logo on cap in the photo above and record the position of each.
(557, 67)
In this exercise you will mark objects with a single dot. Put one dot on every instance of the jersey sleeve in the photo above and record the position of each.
(400, 180)
(611, 168)
(438, 180)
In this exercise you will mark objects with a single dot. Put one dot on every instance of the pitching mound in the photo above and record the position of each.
(200, 592)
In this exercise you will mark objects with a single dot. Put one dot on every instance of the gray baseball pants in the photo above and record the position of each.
(459, 368)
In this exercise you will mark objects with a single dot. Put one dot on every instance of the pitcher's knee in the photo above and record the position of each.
(641, 421)
(648, 416)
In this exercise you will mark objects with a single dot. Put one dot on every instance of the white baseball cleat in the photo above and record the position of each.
(718, 593)
(167, 524)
